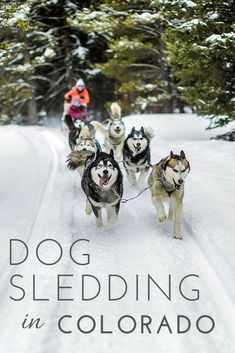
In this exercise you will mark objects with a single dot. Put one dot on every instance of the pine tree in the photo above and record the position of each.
(200, 38)
(134, 54)
(40, 56)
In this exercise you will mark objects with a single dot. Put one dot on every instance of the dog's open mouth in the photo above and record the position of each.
(137, 148)
(104, 179)
(177, 186)
(117, 131)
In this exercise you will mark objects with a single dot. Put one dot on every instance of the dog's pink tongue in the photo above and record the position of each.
(103, 180)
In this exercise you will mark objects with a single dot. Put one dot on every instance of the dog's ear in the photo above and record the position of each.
(111, 153)
(165, 164)
(98, 152)
(171, 154)
(142, 130)
(182, 155)
(133, 129)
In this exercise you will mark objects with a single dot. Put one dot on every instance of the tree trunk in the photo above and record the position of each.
(32, 110)
(69, 69)
(32, 114)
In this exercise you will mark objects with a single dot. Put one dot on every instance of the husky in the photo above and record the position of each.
(114, 132)
(166, 183)
(85, 146)
(136, 155)
(74, 130)
(102, 184)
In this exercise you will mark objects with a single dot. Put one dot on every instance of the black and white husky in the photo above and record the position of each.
(73, 130)
(114, 131)
(136, 155)
(102, 184)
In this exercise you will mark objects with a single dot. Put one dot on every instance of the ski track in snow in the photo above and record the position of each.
(38, 220)
(216, 283)
(60, 212)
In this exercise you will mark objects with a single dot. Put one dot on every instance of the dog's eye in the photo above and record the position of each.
(182, 171)
(99, 166)
(175, 170)
(110, 166)
(141, 138)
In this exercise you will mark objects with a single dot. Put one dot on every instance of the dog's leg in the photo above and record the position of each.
(171, 209)
(118, 152)
(107, 145)
(159, 207)
(112, 215)
(177, 219)
(142, 176)
(99, 222)
(81, 170)
(88, 209)
(131, 177)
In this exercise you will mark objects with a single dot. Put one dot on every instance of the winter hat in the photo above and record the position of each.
(80, 82)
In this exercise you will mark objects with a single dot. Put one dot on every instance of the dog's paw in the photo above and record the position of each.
(88, 209)
(178, 236)
(99, 225)
(162, 218)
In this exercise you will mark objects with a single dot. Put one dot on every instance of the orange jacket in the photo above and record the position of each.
(82, 96)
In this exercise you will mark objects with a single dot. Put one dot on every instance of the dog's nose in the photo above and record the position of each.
(84, 149)
(180, 181)
(105, 172)
(138, 144)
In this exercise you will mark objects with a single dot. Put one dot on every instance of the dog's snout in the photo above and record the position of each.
(180, 181)
(138, 144)
(105, 172)
(84, 149)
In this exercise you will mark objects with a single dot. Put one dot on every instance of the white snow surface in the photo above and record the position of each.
(41, 199)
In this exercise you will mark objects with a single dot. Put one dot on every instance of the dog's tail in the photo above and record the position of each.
(76, 159)
(99, 127)
(115, 111)
(149, 132)
(69, 121)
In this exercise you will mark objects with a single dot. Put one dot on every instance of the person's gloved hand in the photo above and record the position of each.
(68, 100)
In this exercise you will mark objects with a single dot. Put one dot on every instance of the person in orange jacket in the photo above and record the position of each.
(78, 93)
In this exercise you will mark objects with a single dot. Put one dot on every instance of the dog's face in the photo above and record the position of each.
(79, 124)
(104, 171)
(176, 169)
(117, 128)
(137, 141)
(86, 145)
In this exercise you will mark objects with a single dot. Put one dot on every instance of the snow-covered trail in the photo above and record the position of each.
(138, 244)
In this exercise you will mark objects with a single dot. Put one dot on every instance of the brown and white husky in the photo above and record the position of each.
(166, 183)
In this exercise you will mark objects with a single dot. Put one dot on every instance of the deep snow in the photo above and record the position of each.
(41, 199)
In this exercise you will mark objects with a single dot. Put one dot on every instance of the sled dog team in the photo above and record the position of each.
(102, 178)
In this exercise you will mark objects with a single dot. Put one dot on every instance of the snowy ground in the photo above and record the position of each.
(41, 199)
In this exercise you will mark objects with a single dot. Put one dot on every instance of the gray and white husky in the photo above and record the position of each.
(102, 184)
(114, 131)
(136, 155)
(166, 183)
